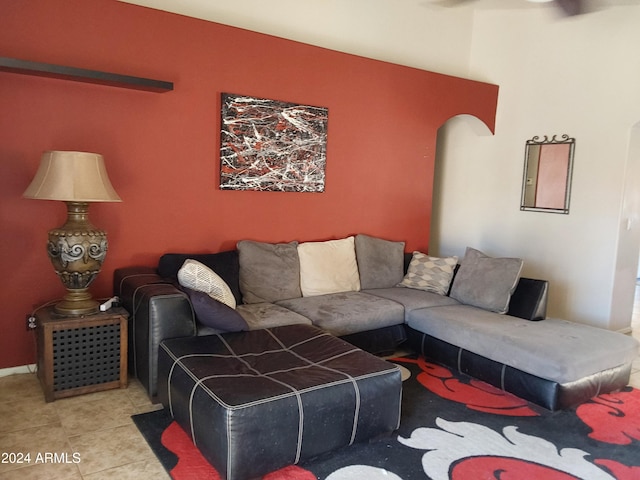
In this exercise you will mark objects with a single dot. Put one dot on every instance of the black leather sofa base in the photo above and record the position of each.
(380, 342)
(254, 402)
(548, 394)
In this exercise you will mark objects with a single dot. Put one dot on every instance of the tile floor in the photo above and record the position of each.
(98, 427)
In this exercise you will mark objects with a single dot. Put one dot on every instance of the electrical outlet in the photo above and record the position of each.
(31, 322)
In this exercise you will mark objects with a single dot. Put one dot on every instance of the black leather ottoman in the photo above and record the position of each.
(257, 401)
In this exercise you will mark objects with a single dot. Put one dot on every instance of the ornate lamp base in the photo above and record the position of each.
(77, 302)
(77, 250)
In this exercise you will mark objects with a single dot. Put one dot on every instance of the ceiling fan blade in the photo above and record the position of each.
(571, 7)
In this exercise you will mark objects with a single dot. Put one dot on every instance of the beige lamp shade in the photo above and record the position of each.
(72, 177)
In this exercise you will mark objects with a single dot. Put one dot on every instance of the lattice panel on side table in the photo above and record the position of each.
(81, 354)
(86, 356)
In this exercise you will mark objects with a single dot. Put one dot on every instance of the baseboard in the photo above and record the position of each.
(20, 369)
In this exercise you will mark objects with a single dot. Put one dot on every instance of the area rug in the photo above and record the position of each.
(454, 427)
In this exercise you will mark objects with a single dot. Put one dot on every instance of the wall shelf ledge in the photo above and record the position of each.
(13, 65)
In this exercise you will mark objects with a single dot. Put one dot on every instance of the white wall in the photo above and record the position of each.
(577, 76)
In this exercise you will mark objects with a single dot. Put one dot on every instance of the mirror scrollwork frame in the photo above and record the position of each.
(548, 167)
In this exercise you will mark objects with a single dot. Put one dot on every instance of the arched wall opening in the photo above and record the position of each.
(452, 133)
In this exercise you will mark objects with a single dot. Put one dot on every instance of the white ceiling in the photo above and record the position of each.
(221, 11)
(427, 34)
(395, 31)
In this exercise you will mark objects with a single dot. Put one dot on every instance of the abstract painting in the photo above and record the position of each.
(270, 145)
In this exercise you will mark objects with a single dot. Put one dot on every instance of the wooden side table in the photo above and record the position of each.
(81, 354)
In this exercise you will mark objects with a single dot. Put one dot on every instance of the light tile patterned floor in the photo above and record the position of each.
(98, 427)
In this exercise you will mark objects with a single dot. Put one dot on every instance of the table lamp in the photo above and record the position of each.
(76, 249)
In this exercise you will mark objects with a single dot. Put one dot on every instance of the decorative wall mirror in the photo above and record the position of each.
(548, 164)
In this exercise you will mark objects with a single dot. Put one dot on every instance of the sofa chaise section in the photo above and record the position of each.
(553, 363)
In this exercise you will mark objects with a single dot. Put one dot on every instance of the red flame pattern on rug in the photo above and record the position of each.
(613, 418)
(618, 470)
(505, 469)
(516, 469)
(191, 463)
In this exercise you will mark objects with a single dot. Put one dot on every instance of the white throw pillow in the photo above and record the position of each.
(197, 276)
(328, 267)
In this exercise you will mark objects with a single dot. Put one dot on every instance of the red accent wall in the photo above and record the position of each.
(162, 150)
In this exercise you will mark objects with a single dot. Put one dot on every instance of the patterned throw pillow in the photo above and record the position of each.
(432, 274)
(197, 276)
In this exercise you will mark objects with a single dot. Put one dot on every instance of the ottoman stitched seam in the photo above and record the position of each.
(185, 369)
(294, 390)
(356, 389)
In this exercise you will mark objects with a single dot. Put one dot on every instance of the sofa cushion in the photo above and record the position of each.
(328, 267)
(347, 312)
(215, 314)
(412, 299)
(552, 349)
(432, 274)
(380, 262)
(197, 276)
(267, 315)
(268, 271)
(486, 282)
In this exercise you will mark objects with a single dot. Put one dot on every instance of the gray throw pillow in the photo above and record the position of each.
(380, 262)
(268, 271)
(486, 282)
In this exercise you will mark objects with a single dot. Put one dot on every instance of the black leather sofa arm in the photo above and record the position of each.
(158, 310)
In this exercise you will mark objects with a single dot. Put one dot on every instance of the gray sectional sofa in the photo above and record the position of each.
(477, 316)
